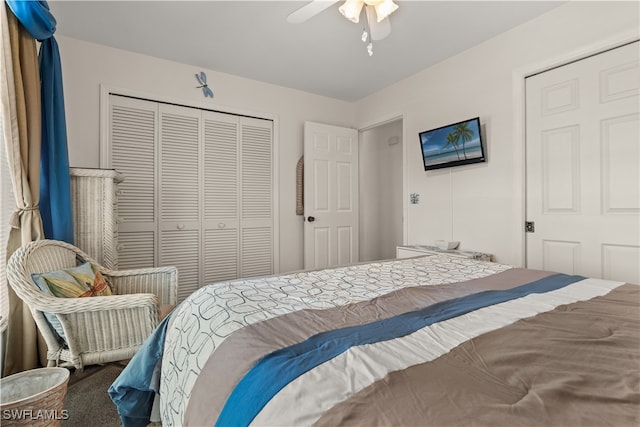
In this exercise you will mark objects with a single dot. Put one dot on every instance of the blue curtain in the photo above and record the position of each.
(55, 183)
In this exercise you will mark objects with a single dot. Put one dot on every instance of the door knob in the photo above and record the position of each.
(311, 218)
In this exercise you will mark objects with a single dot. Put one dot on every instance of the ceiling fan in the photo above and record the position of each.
(376, 26)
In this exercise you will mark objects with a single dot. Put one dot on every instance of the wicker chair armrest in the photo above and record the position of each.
(160, 281)
(53, 305)
(107, 333)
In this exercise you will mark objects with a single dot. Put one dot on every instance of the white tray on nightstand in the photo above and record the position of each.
(417, 250)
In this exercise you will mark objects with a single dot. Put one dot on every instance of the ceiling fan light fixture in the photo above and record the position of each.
(351, 10)
(384, 9)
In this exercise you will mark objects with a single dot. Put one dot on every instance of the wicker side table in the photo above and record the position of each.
(95, 211)
(34, 398)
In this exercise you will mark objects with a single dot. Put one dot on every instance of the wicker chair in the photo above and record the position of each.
(98, 329)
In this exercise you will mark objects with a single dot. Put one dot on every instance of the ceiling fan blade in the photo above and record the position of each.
(309, 10)
(379, 30)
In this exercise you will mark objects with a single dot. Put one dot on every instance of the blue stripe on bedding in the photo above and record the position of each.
(275, 370)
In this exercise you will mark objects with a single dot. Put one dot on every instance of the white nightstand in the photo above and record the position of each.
(417, 250)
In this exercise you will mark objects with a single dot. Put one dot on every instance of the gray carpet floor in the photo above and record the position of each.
(87, 401)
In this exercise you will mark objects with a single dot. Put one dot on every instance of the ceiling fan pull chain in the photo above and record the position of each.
(369, 11)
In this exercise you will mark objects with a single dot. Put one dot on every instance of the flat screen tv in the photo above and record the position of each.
(452, 145)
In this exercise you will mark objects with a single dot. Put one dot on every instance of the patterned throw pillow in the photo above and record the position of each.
(76, 282)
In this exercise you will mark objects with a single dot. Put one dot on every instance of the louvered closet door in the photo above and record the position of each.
(180, 179)
(220, 195)
(133, 134)
(211, 173)
(256, 189)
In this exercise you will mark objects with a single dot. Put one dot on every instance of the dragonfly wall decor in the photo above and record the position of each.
(202, 79)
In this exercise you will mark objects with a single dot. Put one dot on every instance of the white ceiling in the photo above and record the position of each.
(323, 55)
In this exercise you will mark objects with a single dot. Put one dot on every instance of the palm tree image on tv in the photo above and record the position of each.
(455, 144)
(462, 132)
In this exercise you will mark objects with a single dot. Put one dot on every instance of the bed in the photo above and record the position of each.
(432, 340)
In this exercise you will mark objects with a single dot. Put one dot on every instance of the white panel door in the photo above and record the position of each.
(330, 196)
(180, 195)
(583, 173)
(133, 131)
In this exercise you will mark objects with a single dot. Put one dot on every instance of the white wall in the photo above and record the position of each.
(86, 66)
(482, 205)
(380, 191)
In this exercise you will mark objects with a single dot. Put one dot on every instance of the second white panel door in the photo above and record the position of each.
(583, 173)
(330, 196)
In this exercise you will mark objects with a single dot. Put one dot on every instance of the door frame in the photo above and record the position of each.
(405, 179)
(105, 149)
(381, 122)
(518, 77)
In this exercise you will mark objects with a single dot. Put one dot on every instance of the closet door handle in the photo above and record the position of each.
(311, 218)
(180, 226)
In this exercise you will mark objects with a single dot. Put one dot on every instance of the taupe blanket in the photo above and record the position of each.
(577, 365)
(570, 364)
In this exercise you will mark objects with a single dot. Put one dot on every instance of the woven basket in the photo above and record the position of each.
(34, 398)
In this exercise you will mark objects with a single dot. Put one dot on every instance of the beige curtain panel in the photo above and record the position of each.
(20, 112)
